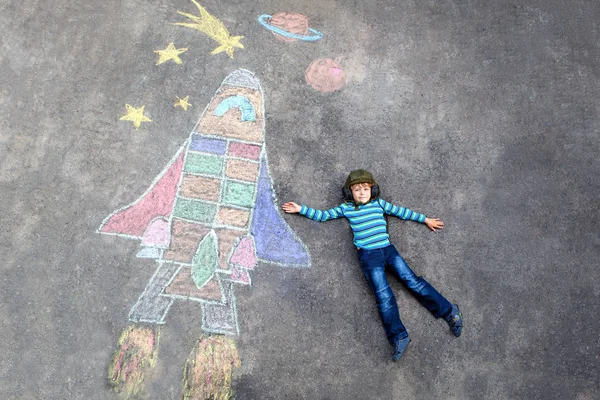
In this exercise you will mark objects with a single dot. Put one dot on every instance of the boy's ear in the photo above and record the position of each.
(347, 194)
(374, 191)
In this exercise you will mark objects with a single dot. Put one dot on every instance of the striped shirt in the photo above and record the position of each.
(368, 224)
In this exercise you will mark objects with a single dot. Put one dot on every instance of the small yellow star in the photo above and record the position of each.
(183, 103)
(135, 115)
(170, 53)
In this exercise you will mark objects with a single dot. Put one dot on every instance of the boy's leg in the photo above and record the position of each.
(372, 263)
(426, 294)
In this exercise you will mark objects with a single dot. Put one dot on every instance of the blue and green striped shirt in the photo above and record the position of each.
(368, 224)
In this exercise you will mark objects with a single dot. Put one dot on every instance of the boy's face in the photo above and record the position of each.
(361, 192)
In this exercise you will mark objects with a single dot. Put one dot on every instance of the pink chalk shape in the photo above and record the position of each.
(335, 71)
(240, 275)
(244, 254)
(157, 234)
(244, 150)
(156, 202)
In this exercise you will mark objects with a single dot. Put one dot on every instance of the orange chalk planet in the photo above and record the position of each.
(289, 27)
(290, 22)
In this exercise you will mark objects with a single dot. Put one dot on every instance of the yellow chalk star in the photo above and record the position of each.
(183, 103)
(170, 53)
(135, 115)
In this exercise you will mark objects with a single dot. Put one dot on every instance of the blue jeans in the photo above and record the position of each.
(373, 264)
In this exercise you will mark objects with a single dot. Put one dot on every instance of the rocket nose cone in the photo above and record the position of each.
(242, 77)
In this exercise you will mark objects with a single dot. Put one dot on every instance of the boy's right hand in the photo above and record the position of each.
(291, 208)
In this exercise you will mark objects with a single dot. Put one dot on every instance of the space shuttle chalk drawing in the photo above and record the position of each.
(207, 220)
(211, 215)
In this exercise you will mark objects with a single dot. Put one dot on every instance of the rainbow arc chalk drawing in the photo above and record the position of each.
(211, 215)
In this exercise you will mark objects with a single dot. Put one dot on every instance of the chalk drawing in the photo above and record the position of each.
(149, 252)
(207, 220)
(289, 27)
(135, 115)
(183, 103)
(243, 256)
(325, 75)
(246, 108)
(206, 260)
(157, 234)
(211, 215)
(274, 240)
(170, 53)
(212, 27)
(138, 350)
(209, 368)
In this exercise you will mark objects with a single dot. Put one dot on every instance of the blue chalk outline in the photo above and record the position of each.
(241, 102)
(318, 35)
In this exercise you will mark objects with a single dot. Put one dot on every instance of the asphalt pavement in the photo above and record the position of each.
(484, 114)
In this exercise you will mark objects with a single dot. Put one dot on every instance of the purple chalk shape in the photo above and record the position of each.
(208, 145)
(273, 238)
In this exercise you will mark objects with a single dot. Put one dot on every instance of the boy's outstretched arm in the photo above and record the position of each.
(408, 214)
(291, 208)
(434, 223)
(316, 215)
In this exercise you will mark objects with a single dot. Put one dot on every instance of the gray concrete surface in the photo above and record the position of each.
(485, 114)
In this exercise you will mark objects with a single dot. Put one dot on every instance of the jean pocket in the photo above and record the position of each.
(366, 257)
(361, 255)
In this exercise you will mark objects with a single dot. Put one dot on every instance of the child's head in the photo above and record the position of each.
(360, 187)
(361, 192)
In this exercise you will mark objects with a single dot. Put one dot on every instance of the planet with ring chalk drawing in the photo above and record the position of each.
(289, 27)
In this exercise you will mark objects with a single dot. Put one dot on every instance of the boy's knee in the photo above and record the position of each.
(385, 298)
(415, 283)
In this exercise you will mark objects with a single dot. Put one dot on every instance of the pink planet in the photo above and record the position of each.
(325, 75)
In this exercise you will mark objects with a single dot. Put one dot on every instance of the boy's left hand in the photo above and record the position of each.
(434, 223)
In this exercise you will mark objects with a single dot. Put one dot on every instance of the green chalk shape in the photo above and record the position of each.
(206, 260)
(205, 164)
(238, 194)
(195, 210)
